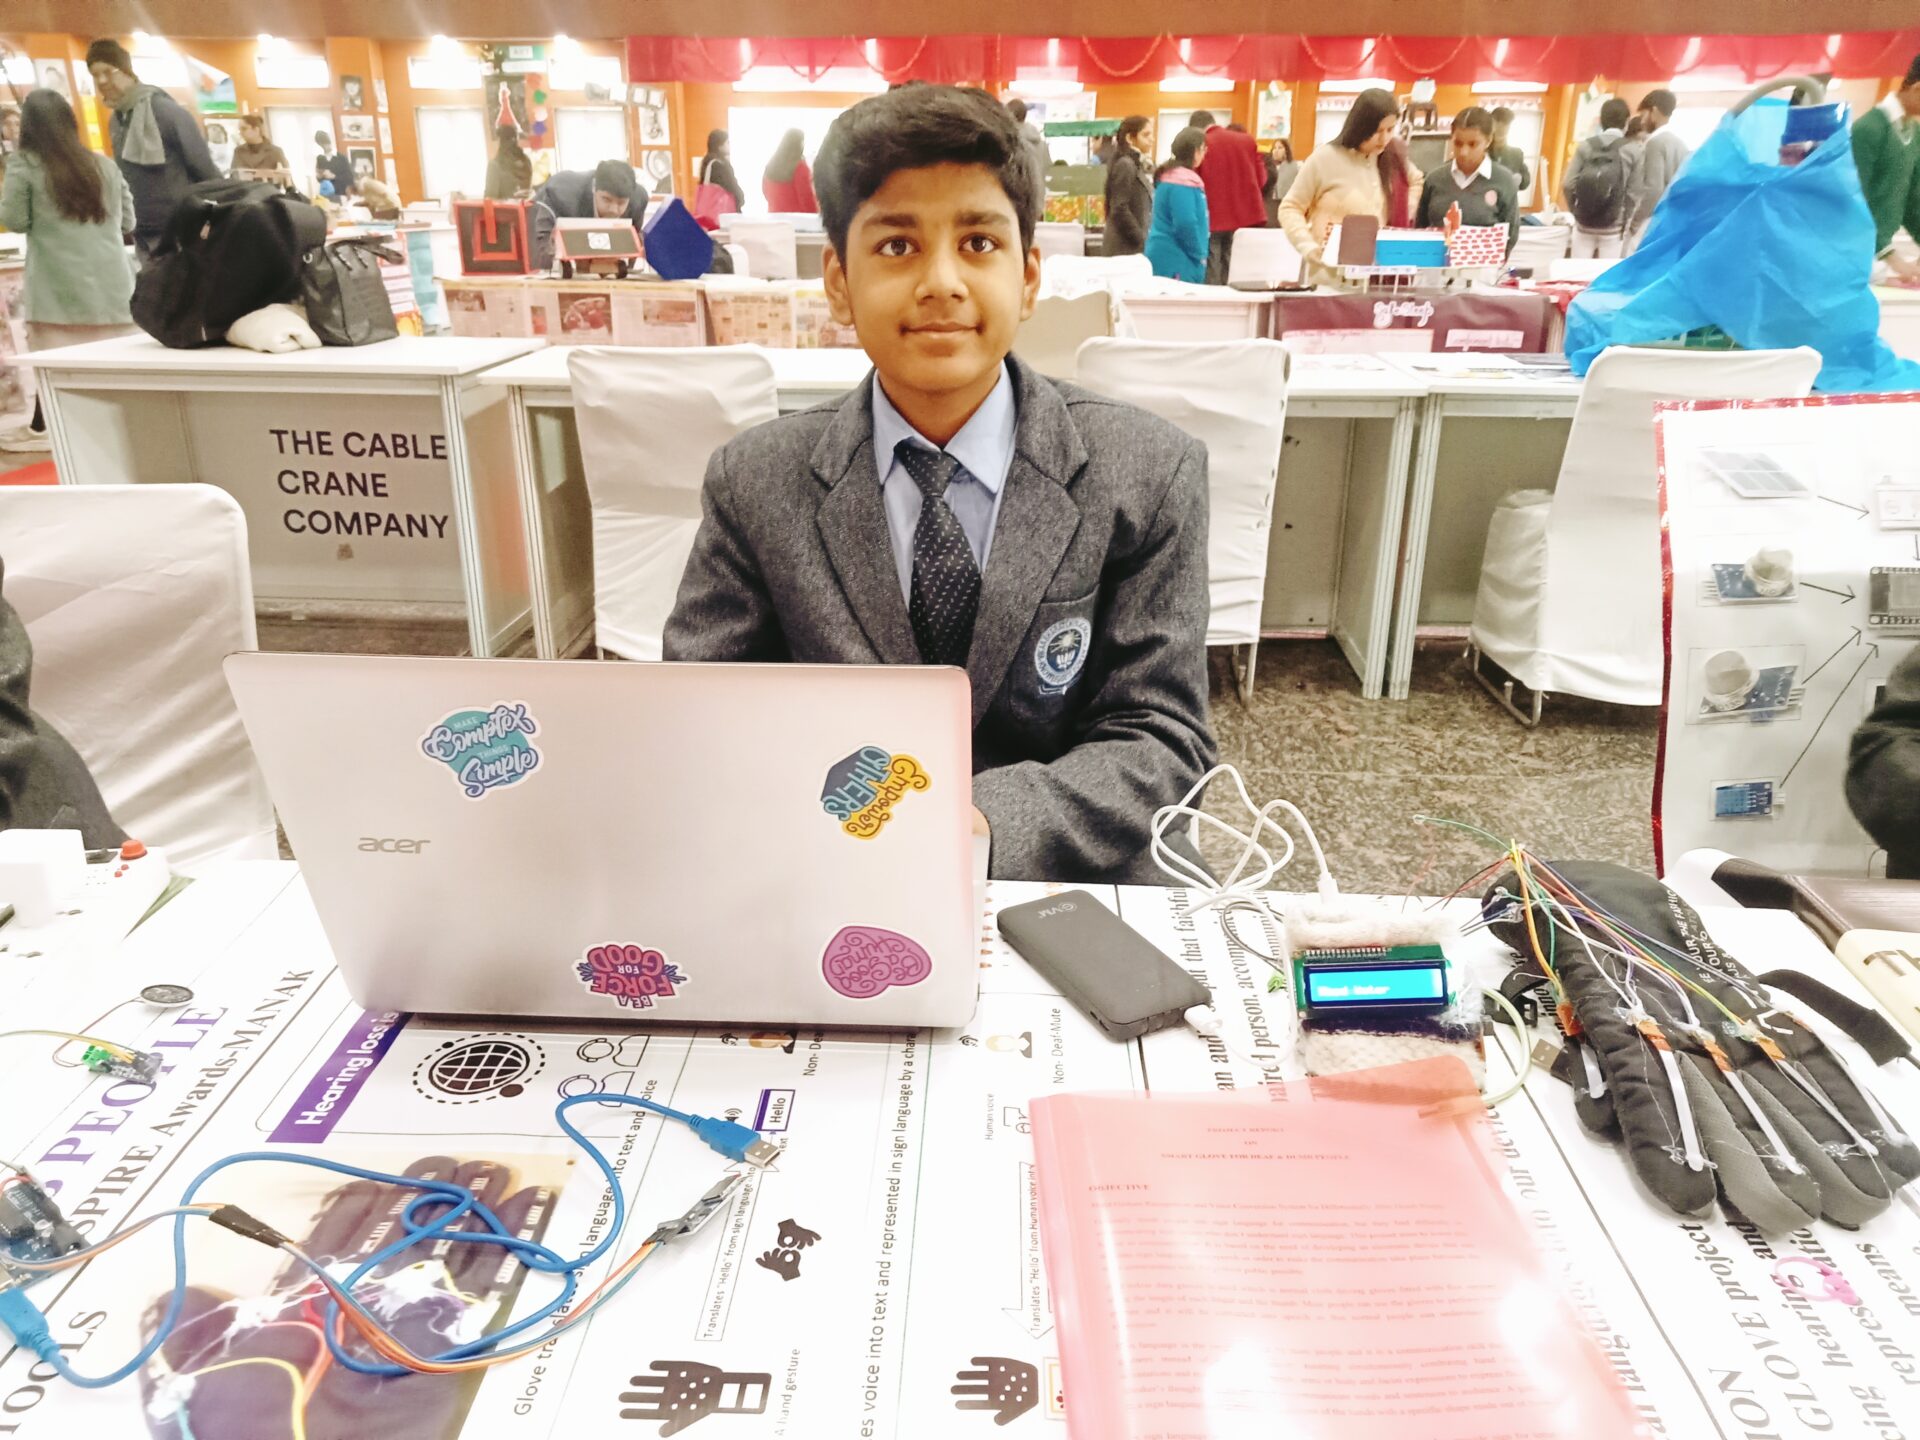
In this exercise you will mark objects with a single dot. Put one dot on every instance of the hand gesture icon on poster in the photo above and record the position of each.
(255, 1366)
(684, 1392)
(1009, 1388)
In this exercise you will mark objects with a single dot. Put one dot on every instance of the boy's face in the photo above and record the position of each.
(1469, 148)
(934, 280)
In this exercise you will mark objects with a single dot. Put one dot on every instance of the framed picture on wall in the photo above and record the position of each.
(380, 94)
(515, 87)
(52, 75)
(655, 127)
(363, 161)
(393, 174)
(353, 94)
(386, 134)
(357, 128)
(659, 166)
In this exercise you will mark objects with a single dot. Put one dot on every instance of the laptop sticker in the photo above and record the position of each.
(1061, 653)
(862, 789)
(863, 961)
(631, 974)
(485, 749)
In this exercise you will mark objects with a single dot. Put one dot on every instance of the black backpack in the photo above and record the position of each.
(1598, 195)
(231, 247)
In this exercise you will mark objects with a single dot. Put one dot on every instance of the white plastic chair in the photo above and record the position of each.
(771, 248)
(649, 421)
(1051, 337)
(742, 262)
(1571, 586)
(133, 595)
(1263, 257)
(1060, 237)
(1230, 395)
(1537, 247)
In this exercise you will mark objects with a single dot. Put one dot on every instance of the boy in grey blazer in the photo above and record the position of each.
(960, 508)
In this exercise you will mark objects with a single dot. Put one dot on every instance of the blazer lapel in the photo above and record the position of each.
(853, 527)
(1037, 521)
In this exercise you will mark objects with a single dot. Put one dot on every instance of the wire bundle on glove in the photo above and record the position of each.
(1678, 1052)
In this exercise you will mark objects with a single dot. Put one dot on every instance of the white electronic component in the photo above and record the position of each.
(1893, 597)
(1887, 962)
(1746, 799)
(38, 870)
(1897, 507)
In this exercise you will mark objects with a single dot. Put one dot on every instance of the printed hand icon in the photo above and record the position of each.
(685, 1391)
(1009, 1388)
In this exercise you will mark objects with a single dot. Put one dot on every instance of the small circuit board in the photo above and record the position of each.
(32, 1229)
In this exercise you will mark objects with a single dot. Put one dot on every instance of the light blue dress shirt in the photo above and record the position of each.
(984, 448)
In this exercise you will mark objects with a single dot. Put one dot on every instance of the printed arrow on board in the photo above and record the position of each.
(1836, 654)
(1032, 1314)
(1859, 512)
(1845, 599)
(1872, 650)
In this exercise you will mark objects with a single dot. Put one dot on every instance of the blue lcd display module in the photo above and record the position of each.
(1408, 986)
(1406, 978)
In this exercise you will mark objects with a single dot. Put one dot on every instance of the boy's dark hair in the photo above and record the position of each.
(614, 177)
(111, 51)
(910, 129)
(1502, 115)
(1913, 74)
(1017, 108)
(1614, 114)
(1665, 101)
(1474, 118)
(1201, 120)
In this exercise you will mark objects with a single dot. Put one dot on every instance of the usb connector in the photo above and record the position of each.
(741, 1144)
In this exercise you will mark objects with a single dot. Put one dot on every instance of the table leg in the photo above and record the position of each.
(466, 521)
(1413, 550)
(546, 643)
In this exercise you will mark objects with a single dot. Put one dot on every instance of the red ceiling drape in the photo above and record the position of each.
(1450, 59)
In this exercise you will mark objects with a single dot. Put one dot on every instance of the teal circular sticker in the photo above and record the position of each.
(1061, 652)
(485, 749)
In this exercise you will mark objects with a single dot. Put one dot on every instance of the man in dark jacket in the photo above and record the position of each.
(610, 191)
(1883, 771)
(160, 149)
(1234, 175)
(44, 785)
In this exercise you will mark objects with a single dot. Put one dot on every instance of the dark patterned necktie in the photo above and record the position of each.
(946, 582)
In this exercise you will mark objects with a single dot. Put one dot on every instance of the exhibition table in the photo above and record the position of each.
(370, 473)
(1414, 321)
(1333, 551)
(892, 1252)
(16, 381)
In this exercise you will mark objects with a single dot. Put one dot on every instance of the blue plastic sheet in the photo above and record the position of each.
(1774, 255)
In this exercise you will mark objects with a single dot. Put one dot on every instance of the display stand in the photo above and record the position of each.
(1793, 588)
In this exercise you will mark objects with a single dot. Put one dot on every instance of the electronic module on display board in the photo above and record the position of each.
(1793, 532)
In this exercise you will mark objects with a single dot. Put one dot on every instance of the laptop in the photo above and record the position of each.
(638, 843)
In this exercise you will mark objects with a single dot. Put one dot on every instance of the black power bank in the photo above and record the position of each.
(1101, 963)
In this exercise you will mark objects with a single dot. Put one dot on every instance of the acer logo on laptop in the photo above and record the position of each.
(375, 845)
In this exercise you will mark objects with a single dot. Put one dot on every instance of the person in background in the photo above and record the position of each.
(716, 168)
(160, 150)
(1487, 194)
(1400, 180)
(1129, 192)
(1599, 186)
(256, 157)
(1883, 771)
(1234, 174)
(9, 136)
(610, 191)
(1339, 179)
(1660, 159)
(44, 784)
(1035, 142)
(1179, 241)
(788, 183)
(331, 168)
(510, 171)
(1886, 152)
(76, 209)
(1504, 151)
(1281, 170)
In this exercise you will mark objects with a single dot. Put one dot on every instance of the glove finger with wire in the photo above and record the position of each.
(1681, 1055)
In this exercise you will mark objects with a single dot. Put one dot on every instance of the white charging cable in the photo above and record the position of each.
(1257, 864)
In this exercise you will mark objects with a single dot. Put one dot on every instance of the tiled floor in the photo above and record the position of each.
(1578, 787)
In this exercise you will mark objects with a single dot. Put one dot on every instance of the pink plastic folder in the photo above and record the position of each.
(1342, 1265)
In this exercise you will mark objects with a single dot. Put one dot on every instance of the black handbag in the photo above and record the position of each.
(230, 247)
(345, 296)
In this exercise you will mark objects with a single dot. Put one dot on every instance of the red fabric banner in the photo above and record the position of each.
(1449, 59)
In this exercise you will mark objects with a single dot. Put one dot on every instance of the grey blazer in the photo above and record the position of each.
(1088, 664)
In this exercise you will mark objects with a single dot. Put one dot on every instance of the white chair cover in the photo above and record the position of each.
(1263, 257)
(1587, 270)
(649, 422)
(1571, 586)
(771, 248)
(1071, 275)
(1051, 337)
(742, 262)
(133, 595)
(1230, 395)
(1060, 237)
(1537, 247)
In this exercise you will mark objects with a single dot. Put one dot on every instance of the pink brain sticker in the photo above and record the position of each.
(862, 961)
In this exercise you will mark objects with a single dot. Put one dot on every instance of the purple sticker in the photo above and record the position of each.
(631, 974)
(863, 961)
(332, 1088)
